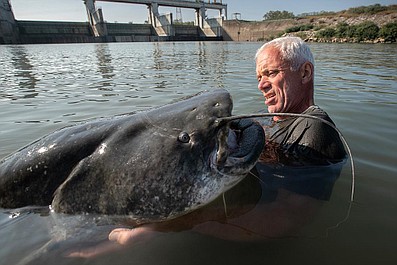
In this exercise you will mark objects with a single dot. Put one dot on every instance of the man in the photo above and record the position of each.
(288, 196)
(285, 72)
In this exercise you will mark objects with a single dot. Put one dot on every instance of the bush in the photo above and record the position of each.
(301, 35)
(319, 27)
(276, 15)
(342, 30)
(306, 27)
(351, 31)
(314, 14)
(367, 31)
(389, 32)
(372, 9)
(364, 31)
(326, 33)
(299, 28)
(293, 29)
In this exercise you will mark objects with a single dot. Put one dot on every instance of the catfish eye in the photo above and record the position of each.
(184, 137)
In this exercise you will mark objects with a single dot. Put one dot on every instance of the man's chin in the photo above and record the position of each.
(271, 109)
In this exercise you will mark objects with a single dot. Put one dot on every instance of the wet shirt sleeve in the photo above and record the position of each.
(305, 141)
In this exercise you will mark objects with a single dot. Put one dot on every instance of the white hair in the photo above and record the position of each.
(292, 49)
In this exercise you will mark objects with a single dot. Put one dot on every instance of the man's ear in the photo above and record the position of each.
(307, 72)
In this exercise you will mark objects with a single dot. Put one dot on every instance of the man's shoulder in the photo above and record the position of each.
(320, 123)
(316, 134)
(316, 111)
(307, 139)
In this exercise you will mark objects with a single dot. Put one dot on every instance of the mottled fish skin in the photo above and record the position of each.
(152, 166)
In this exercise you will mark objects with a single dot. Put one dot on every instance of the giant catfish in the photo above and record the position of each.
(151, 166)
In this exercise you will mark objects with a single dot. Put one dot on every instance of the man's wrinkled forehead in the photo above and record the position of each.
(269, 57)
(262, 58)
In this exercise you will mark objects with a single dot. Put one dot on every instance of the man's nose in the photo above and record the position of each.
(263, 84)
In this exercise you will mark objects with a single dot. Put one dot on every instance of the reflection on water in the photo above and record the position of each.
(45, 87)
(76, 74)
(22, 73)
(105, 67)
(184, 64)
(23, 69)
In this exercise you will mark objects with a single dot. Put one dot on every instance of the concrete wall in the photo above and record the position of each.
(65, 32)
(54, 32)
(75, 32)
(238, 30)
(127, 32)
(128, 29)
(186, 30)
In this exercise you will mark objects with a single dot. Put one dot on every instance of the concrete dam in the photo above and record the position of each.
(159, 27)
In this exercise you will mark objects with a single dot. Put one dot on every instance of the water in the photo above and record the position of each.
(45, 87)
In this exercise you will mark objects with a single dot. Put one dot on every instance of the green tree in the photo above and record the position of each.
(367, 30)
(389, 32)
(351, 31)
(342, 30)
(276, 15)
(304, 27)
(372, 9)
(326, 33)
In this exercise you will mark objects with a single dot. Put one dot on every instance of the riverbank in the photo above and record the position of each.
(310, 28)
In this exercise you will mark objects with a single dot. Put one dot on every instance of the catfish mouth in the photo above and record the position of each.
(240, 143)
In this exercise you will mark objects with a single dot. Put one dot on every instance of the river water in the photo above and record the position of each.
(45, 87)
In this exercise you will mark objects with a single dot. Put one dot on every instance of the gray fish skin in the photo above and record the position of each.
(150, 166)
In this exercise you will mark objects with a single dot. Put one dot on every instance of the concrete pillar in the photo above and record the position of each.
(9, 32)
(150, 15)
(154, 9)
(161, 23)
(95, 18)
(200, 17)
(223, 14)
(209, 27)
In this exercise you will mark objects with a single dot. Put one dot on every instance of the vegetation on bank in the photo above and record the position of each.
(361, 10)
(277, 15)
(370, 10)
(366, 31)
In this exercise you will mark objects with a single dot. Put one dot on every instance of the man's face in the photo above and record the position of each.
(280, 86)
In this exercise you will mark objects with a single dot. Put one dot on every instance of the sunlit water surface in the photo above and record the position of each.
(45, 87)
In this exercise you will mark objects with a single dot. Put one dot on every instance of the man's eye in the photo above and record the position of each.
(268, 74)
